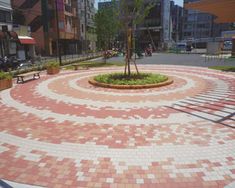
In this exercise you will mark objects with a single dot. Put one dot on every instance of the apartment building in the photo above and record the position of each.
(86, 14)
(8, 38)
(40, 16)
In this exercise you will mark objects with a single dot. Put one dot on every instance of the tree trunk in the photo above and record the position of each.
(129, 50)
(105, 49)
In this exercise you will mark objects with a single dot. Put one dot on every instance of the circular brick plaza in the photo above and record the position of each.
(60, 131)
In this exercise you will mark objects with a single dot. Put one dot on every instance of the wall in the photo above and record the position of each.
(5, 3)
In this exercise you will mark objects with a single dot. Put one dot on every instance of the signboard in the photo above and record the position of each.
(228, 35)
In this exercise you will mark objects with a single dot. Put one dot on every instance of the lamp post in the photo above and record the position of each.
(85, 25)
(58, 32)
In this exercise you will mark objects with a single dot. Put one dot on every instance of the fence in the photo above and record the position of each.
(39, 63)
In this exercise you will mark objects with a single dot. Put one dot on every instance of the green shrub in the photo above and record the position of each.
(224, 68)
(53, 64)
(5, 75)
(133, 79)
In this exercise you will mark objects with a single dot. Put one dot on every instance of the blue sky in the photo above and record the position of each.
(179, 2)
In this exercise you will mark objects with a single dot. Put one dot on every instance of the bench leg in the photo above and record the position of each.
(36, 75)
(22, 79)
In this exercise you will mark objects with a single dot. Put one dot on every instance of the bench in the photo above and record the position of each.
(20, 77)
(76, 67)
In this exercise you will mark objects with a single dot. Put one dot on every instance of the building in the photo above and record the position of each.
(177, 21)
(156, 27)
(86, 14)
(8, 38)
(40, 16)
(26, 44)
(222, 9)
(107, 4)
(200, 27)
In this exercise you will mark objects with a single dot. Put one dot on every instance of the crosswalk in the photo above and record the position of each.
(216, 107)
(11, 184)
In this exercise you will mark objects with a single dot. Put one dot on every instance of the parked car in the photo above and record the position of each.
(181, 46)
(227, 45)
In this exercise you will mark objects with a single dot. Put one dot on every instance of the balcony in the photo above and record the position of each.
(68, 8)
(90, 22)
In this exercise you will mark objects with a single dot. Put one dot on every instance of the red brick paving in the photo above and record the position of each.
(35, 159)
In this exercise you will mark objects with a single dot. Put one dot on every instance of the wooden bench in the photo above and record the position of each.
(20, 77)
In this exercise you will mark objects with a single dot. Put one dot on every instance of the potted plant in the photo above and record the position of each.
(53, 67)
(5, 80)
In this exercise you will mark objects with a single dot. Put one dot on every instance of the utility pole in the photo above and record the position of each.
(58, 33)
(85, 10)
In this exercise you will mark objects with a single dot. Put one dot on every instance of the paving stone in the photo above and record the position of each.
(64, 132)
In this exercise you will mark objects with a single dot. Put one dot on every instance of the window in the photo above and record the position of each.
(5, 16)
(8, 17)
(61, 25)
(82, 28)
(187, 34)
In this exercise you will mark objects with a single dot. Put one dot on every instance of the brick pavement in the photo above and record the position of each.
(60, 131)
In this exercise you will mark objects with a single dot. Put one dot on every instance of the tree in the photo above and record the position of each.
(106, 27)
(130, 14)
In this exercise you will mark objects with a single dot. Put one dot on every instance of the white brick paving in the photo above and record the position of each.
(190, 83)
(139, 156)
(45, 114)
(43, 90)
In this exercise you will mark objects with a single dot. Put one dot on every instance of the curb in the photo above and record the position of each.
(98, 84)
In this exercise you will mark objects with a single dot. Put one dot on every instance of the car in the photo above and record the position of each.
(227, 45)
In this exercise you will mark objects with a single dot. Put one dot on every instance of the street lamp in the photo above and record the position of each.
(58, 32)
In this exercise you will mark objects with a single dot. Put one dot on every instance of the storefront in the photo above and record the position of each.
(8, 41)
(26, 48)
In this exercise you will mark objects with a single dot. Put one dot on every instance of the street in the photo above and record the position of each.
(180, 59)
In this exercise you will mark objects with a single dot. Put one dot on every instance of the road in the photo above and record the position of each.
(180, 59)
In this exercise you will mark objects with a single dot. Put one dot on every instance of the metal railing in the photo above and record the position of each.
(39, 63)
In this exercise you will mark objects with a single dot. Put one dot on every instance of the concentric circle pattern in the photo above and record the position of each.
(60, 131)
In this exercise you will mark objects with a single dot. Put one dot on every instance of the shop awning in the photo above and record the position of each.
(224, 10)
(26, 40)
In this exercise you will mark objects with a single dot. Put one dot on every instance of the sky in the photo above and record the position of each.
(178, 2)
